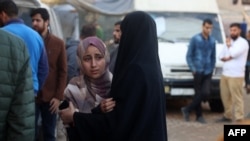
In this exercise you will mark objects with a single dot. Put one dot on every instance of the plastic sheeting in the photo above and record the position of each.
(107, 7)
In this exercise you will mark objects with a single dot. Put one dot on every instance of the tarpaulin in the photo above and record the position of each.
(108, 7)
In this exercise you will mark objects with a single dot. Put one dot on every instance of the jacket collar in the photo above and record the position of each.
(15, 20)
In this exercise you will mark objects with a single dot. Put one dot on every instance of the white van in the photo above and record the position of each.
(177, 21)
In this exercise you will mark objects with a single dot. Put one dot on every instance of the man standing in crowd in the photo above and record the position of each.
(48, 99)
(38, 57)
(201, 61)
(73, 68)
(234, 56)
(114, 48)
(16, 90)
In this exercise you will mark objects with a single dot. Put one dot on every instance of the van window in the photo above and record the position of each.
(180, 27)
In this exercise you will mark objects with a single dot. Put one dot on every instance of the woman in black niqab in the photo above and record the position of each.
(137, 84)
(137, 87)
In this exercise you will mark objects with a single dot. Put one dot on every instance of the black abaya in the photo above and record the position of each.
(137, 88)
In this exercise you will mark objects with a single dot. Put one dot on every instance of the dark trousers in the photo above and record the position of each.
(247, 75)
(48, 122)
(202, 84)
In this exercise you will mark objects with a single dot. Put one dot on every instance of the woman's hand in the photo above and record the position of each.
(67, 114)
(107, 105)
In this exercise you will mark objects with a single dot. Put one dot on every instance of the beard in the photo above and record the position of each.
(40, 30)
(234, 37)
(116, 41)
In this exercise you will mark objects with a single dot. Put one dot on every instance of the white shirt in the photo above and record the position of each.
(238, 51)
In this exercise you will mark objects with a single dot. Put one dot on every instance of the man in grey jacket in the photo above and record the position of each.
(16, 90)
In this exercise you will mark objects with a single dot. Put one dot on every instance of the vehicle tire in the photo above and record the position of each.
(216, 105)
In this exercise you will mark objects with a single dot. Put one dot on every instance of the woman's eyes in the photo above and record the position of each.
(89, 58)
(86, 59)
(98, 57)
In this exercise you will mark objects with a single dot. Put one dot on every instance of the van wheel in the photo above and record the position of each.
(216, 105)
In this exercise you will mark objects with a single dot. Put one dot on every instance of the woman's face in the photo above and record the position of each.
(93, 62)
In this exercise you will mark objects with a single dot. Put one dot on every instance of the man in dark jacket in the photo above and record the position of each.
(16, 90)
(114, 48)
(51, 94)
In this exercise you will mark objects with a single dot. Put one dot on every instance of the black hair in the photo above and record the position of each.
(42, 11)
(208, 21)
(235, 25)
(88, 30)
(9, 7)
(118, 23)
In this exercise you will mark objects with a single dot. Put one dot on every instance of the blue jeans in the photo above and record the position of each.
(48, 121)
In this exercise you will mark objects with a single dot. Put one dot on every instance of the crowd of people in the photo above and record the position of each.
(201, 59)
(105, 93)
